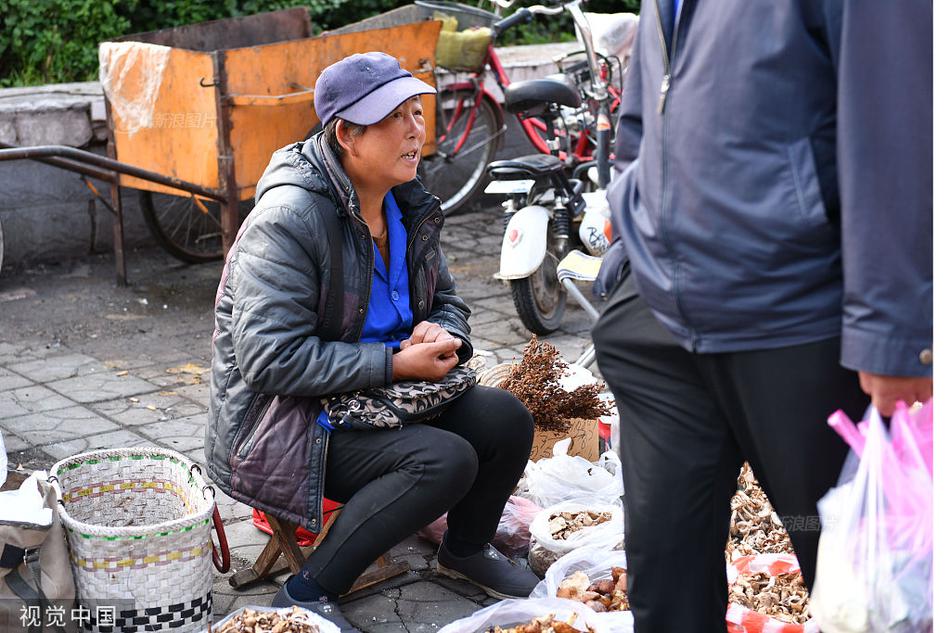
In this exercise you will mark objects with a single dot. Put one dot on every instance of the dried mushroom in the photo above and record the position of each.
(757, 529)
(783, 597)
(251, 621)
(608, 594)
(562, 524)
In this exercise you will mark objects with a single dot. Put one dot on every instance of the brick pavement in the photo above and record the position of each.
(86, 365)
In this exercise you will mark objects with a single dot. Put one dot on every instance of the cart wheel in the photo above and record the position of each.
(188, 228)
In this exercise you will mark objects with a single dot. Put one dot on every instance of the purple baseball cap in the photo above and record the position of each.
(364, 88)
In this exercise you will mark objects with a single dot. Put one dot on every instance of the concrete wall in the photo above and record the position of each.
(45, 212)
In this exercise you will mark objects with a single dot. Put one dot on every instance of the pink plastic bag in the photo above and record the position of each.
(512, 535)
(875, 557)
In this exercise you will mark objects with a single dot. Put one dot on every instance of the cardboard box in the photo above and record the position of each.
(584, 440)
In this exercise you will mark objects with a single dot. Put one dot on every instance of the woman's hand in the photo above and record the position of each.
(426, 361)
(426, 332)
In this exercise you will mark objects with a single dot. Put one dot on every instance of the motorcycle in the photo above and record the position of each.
(554, 204)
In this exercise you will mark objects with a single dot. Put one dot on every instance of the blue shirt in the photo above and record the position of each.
(388, 317)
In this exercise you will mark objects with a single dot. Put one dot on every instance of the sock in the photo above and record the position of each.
(303, 588)
(460, 548)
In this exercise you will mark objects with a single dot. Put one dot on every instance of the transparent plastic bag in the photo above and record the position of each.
(513, 533)
(567, 478)
(322, 624)
(544, 549)
(596, 562)
(512, 536)
(509, 613)
(875, 556)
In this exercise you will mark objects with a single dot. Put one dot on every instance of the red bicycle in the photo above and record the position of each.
(470, 121)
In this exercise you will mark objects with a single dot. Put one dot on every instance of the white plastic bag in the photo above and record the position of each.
(513, 612)
(544, 550)
(596, 562)
(875, 556)
(567, 478)
(323, 625)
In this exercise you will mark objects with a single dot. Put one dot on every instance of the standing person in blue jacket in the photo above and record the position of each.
(775, 205)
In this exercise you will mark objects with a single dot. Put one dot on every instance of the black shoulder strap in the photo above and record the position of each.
(331, 321)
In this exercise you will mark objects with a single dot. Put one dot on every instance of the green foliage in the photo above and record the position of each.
(55, 40)
(51, 41)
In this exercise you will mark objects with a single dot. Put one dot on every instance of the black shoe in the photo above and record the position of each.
(494, 572)
(322, 607)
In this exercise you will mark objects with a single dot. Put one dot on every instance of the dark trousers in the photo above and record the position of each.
(394, 482)
(687, 422)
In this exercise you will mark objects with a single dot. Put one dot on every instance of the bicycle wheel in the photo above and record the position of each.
(189, 230)
(468, 138)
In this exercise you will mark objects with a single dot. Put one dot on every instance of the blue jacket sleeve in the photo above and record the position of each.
(883, 52)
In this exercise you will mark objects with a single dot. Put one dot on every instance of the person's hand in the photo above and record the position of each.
(426, 361)
(426, 332)
(885, 391)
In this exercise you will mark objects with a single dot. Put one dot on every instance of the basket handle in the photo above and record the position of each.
(222, 560)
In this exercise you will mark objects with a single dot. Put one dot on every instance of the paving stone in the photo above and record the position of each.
(507, 333)
(199, 394)
(180, 435)
(461, 587)
(483, 343)
(197, 456)
(14, 443)
(243, 556)
(114, 439)
(483, 315)
(10, 380)
(101, 386)
(245, 533)
(425, 606)
(230, 509)
(58, 425)
(20, 351)
(30, 400)
(162, 405)
(59, 367)
(374, 614)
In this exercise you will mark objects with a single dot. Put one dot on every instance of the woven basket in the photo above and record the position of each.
(138, 522)
(494, 376)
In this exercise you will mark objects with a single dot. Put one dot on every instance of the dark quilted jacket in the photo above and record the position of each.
(271, 361)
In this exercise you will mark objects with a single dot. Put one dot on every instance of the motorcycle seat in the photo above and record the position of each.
(526, 95)
(532, 165)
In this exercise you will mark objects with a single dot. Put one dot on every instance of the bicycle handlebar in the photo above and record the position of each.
(520, 16)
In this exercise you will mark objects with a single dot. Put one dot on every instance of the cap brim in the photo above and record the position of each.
(376, 105)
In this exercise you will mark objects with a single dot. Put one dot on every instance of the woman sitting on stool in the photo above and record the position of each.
(268, 443)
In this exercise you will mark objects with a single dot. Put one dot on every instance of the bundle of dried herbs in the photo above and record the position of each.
(535, 381)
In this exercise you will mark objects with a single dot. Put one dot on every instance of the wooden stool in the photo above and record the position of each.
(284, 541)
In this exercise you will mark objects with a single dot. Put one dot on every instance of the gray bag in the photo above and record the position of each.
(397, 404)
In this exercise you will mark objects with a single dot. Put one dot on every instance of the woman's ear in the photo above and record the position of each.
(345, 137)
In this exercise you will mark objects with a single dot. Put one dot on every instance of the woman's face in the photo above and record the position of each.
(387, 153)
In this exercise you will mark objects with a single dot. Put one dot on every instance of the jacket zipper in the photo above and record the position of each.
(668, 53)
(665, 85)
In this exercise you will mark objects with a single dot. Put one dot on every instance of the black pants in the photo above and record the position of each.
(392, 483)
(687, 422)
